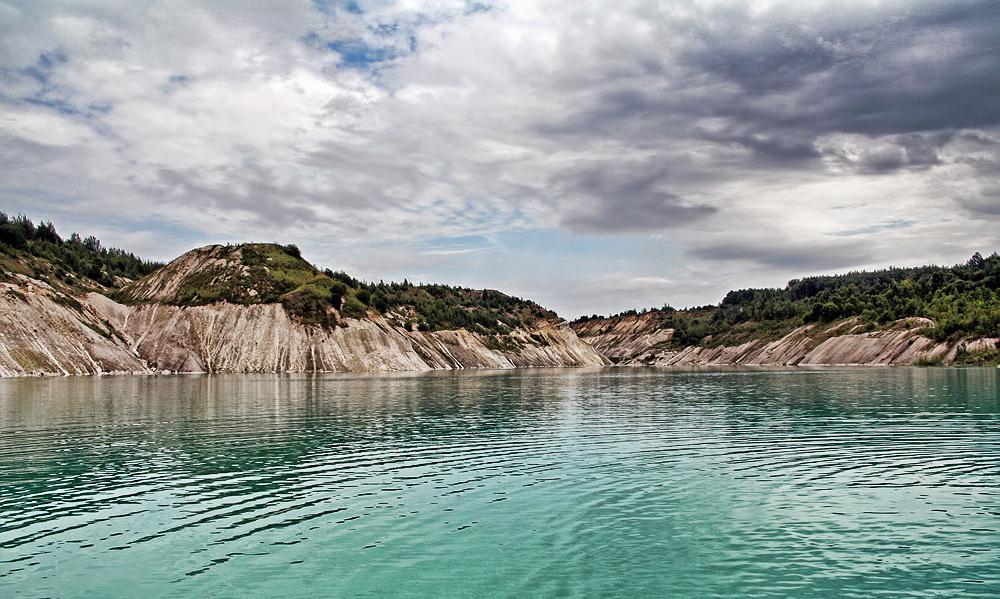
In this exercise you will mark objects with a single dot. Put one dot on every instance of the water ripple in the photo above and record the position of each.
(568, 483)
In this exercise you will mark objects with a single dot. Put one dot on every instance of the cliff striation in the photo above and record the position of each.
(262, 308)
(163, 323)
(43, 331)
(636, 340)
(263, 338)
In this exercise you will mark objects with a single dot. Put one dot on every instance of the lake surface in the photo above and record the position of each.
(535, 483)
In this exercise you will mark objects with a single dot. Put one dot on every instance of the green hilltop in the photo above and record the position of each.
(253, 273)
(262, 273)
(961, 301)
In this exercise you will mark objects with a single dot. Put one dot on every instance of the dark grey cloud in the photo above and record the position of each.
(649, 211)
(627, 111)
(869, 89)
(369, 173)
(779, 148)
(786, 77)
(893, 70)
(987, 201)
(763, 55)
(619, 197)
(252, 191)
(892, 153)
(773, 149)
(883, 160)
(923, 149)
(789, 255)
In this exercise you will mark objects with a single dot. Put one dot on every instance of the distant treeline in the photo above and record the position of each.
(962, 300)
(64, 259)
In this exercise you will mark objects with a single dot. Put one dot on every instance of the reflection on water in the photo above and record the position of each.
(579, 483)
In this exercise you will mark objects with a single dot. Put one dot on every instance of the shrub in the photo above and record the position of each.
(353, 308)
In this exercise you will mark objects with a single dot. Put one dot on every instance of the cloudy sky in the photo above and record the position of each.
(593, 156)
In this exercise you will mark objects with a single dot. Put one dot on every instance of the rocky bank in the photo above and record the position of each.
(635, 340)
(226, 309)
(44, 332)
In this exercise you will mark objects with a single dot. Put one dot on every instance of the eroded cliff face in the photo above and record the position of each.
(165, 283)
(624, 338)
(262, 338)
(635, 340)
(44, 332)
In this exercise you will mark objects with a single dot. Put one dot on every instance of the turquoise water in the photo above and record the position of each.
(540, 483)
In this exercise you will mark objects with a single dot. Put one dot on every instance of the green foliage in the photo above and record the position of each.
(76, 264)
(314, 302)
(441, 307)
(253, 274)
(68, 301)
(984, 357)
(962, 301)
(354, 308)
(268, 273)
(503, 343)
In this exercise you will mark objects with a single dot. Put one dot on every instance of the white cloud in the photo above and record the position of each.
(45, 127)
(762, 139)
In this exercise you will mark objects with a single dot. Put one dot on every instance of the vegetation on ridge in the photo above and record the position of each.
(960, 301)
(257, 274)
(73, 265)
(270, 273)
(442, 307)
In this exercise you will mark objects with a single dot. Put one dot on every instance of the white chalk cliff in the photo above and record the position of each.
(44, 331)
(635, 340)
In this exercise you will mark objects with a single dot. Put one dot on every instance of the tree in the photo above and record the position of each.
(46, 231)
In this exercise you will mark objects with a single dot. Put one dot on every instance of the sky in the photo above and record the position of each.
(593, 156)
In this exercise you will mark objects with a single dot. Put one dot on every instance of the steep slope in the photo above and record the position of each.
(622, 339)
(637, 339)
(241, 309)
(252, 274)
(264, 338)
(244, 274)
(929, 314)
(44, 331)
(75, 265)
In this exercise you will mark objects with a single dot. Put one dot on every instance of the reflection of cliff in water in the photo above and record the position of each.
(254, 430)
(206, 424)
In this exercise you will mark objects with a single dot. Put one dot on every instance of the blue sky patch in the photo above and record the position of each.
(877, 228)
(358, 54)
(61, 105)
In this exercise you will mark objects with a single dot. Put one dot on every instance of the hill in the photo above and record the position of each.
(947, 305)
(249, 308)
(250, 274)
(74, 265)
(73, 306)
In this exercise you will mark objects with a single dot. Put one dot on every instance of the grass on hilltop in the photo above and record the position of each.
(271, 273)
